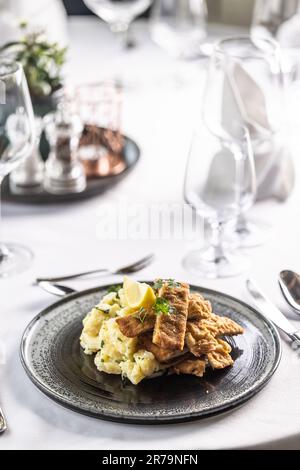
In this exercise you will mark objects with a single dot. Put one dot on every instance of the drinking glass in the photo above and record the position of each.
(118, 14)
(16, 143)
(280, 20)
(219, 181)
(245, 88)
(179, 26)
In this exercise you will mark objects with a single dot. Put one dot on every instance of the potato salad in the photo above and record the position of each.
(116, 353)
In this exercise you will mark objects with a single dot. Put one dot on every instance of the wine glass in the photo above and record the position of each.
(16, 143)
(280, 20)
(179, 26)
(219, 181)
(118, 14)
(245, 88)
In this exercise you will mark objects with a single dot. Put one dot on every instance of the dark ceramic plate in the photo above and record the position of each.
(54, 361)
(95, 186)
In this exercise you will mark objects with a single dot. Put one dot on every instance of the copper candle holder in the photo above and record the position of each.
(101, 144)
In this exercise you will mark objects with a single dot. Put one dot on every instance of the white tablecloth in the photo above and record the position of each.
(160, 112)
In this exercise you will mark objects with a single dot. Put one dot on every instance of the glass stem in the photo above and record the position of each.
(122, 31)
(241, 226)
(241, 221)
(217, 228)
(3, 250)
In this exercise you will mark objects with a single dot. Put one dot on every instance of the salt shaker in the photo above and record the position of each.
(28, 177)
(64, 172)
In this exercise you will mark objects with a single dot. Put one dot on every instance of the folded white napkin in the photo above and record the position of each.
(244, 104)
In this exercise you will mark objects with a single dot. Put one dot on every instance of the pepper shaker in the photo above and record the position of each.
(64, 172)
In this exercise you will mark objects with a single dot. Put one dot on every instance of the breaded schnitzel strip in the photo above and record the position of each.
(192, 366)
(161, 354)
(131, 326)
(169, 330)
(198, 307)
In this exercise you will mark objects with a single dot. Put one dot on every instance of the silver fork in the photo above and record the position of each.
(131, 268)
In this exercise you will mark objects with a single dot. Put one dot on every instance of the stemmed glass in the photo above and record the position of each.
(280, 20)
(118, 14)
(16, 143)
(179, 26)
(219, 181)
(245, 88)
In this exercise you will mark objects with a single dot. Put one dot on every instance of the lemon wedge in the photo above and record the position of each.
(138, 294)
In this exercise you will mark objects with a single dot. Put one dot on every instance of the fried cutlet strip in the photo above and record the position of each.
(161, 354)
(132, 326)
(220, 357)
(198, 307)
(192, 366)
(199, 340)
(169, 330)
(219, 326)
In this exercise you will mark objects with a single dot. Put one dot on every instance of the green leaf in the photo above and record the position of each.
(115, 289)
(141, 314)
(162, 306)
(42, 61)
(170, 283)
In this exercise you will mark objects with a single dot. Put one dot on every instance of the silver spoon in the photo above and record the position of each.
(289, 282)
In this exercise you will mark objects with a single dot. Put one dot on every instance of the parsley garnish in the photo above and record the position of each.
(157, 284)
(141, 314)
(115, 289)
(170, 282)
(102, 344)
(162, 306)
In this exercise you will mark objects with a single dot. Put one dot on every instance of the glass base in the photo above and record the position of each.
(250, 235)
(205, 264)
(14, 259)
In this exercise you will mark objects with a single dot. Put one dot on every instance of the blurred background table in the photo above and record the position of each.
(162, 106)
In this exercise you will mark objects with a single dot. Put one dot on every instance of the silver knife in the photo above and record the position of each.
(3, 426)
(271, 312)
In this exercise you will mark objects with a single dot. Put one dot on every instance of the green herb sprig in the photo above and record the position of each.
(141, 314)
(170, 283)
(162, 307)
(115, 288)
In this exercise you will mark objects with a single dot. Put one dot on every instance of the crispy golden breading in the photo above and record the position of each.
(220, 357)
(190, 366)
(161, 354)
(200, 346)
(199, 340)
(198, 307)
(219, 326)
(132, 326)
(169, 330)
(192, 325)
